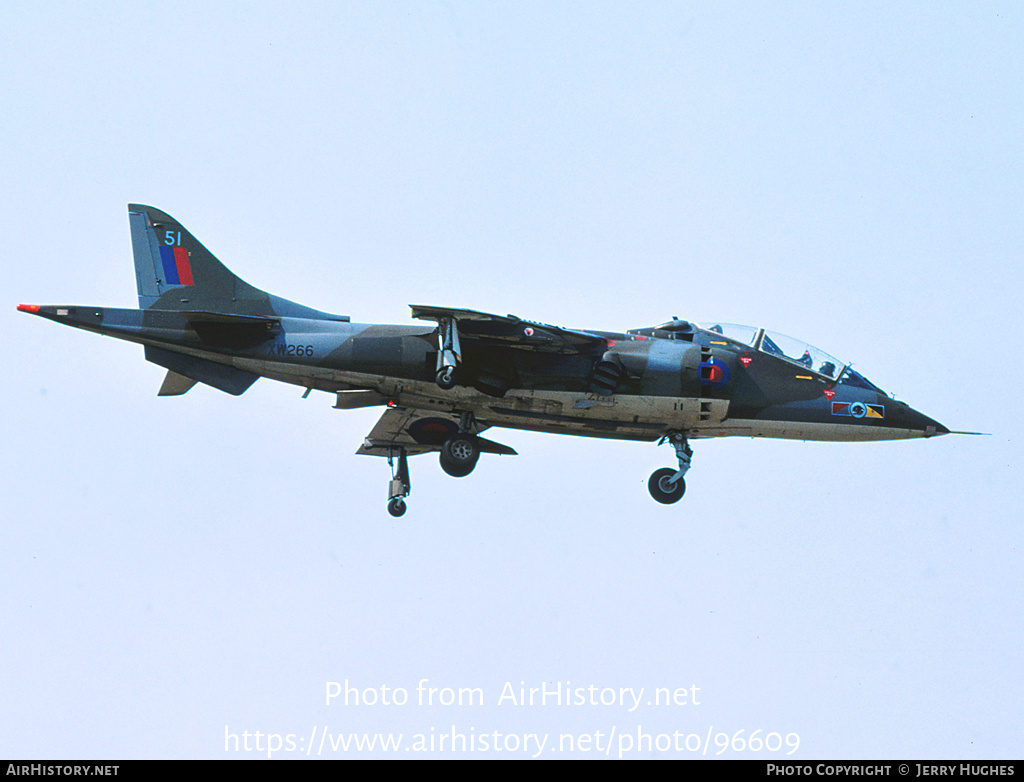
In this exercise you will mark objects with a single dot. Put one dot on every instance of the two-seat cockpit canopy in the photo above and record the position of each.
(793, 350)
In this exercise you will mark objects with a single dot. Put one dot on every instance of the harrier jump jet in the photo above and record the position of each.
(445, 382)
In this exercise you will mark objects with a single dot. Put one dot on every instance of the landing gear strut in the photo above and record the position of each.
(667, 485)
(400, 486)
(449, 354)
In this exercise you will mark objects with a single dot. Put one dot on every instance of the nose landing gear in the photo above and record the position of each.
(667, 485)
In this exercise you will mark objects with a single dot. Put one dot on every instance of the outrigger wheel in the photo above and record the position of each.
(400, 485)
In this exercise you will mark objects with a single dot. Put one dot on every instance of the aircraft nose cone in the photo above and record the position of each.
(928, 427)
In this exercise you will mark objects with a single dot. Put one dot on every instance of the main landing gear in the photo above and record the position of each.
(667, 485)
(461, 451)
(459, 455)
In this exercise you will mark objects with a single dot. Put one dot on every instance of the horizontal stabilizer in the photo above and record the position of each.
(201, 316)
(229, 330)
(175, 384)
(220, 376)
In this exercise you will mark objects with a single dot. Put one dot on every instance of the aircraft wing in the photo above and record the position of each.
(419, 431)
(513, 331)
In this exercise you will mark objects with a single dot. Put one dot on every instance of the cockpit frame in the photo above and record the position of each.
(813, 361)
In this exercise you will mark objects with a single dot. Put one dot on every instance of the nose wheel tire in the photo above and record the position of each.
(396, 507)
(663, 489)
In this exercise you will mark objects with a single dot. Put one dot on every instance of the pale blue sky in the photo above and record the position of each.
(849, 174)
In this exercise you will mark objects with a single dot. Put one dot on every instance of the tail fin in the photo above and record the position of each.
(174, 271)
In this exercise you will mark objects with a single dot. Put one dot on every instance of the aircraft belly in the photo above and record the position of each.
(803, 430)
(618, 416)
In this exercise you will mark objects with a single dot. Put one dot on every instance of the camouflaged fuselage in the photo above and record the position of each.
(446, 380)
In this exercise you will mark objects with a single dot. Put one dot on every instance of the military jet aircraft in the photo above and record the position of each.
(445, 382)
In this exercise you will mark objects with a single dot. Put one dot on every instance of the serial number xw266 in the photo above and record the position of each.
(285, 349)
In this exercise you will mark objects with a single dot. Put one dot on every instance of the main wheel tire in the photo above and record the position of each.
(396, 507)
(662, 489)
(459, 455)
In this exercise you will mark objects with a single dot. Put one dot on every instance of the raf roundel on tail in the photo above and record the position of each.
(444, 382)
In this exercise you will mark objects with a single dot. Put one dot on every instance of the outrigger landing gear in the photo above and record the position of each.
(400, 486)
(667, 485)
